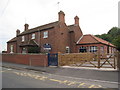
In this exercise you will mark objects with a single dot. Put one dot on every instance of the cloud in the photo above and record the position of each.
(96, 16)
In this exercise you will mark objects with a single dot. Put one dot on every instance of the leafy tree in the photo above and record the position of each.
(113, 36)
(116, 42)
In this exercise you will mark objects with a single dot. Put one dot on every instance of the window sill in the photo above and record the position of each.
(45, 37)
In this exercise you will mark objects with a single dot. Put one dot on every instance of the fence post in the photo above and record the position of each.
(98, 57)
(118, 61)
(59, 59)
(115, 55)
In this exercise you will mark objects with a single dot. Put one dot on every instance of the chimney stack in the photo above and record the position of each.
(61, 17)
(26, 27)
(17, 32)
(76, 20)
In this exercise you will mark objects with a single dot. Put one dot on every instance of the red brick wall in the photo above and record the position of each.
(98, 45)
(28, 59)
(14, 47)
(50, 40)
(78, 33)
(62, 38)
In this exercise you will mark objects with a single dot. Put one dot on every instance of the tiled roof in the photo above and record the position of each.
(39, 28)
(12, 40)
(90, 39)
(102, 41)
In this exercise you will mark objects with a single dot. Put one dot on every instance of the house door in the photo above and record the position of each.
(52, 59)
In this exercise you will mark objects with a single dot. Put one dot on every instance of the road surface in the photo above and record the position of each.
(23, 78)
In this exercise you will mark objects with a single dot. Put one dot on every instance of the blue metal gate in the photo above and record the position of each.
(52, 59)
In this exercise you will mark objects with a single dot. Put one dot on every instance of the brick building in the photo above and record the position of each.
(55, 37)
(91, 43)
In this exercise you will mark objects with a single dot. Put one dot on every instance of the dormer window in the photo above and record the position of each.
(23, 38)
(33, 36)
(45, 34)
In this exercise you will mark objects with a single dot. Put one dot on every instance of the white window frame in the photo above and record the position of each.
(67, 49)
(93, 48)
(33, 36)
(11, 48)
(23, 38)
(45, 34)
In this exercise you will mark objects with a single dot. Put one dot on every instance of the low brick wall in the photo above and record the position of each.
(28, 59)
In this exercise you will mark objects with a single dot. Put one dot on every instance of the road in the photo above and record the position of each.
(12, 78)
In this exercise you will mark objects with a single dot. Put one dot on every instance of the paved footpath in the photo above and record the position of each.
(79, 72)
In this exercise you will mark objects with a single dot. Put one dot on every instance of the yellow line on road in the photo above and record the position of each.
(71, 83)
(99, 86)
(91, 86)
(81, 84)
(17, 73)
(55, 80)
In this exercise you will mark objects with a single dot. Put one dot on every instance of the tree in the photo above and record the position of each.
(116, 42)
(113, 36)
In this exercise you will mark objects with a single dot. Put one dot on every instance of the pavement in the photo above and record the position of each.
(52, 69)
(107, 74)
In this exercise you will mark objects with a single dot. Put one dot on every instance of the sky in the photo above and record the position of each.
(95, 16)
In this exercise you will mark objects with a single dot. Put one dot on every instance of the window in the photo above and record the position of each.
(11, 49)
(82, 49)
(45, 34)
(67, 49)
(23, 38)
(24, 50)
(93, 48)
(33, 36)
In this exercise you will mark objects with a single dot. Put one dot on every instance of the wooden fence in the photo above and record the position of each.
(88, 60)
(75, 58)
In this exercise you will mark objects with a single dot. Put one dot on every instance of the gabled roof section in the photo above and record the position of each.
(90, 39)
(33, 42)
(102, 41)
(29, 43)
(12, 40)
(39, 28)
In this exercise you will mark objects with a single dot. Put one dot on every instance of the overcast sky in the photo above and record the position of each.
(96, 16)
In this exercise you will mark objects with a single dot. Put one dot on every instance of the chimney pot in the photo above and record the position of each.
(17, 32)
(76, 20)
(26, 27)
